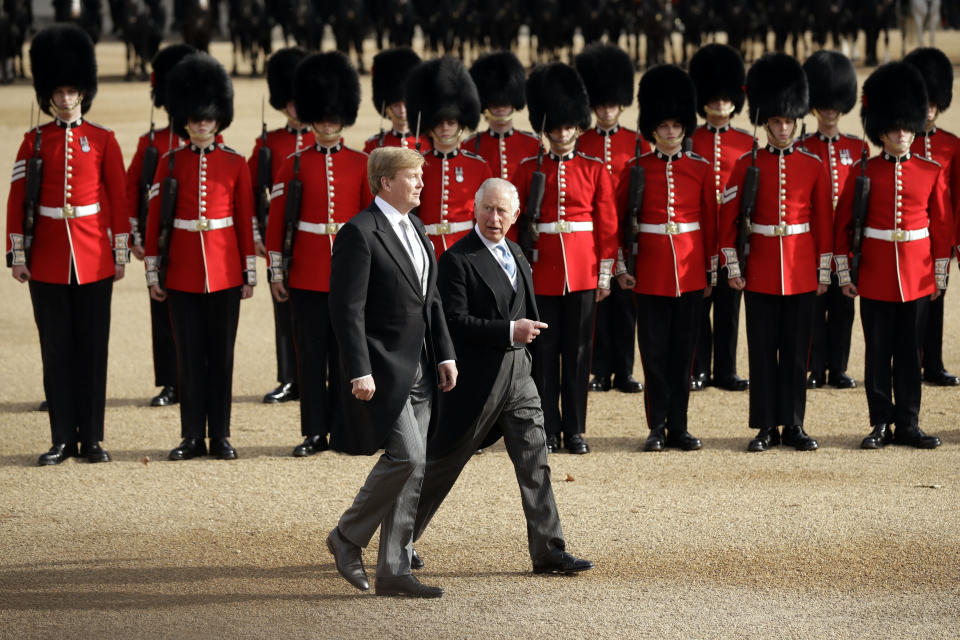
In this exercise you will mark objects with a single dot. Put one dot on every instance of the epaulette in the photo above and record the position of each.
(925, 159)
(697, 157)
(744, 155)
(528, 133)
(850, 137)
(98, 126)
(743, 131)
(586, 157)
(807, 153)
(299, 151)
(470, 137)
(229, 149)
(644, 155)
(534, 158)
(472, 155)
(180, 148)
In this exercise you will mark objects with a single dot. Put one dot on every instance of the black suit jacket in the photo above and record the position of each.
(476, 302)
(381, 320)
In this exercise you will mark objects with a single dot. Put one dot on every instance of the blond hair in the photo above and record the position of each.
(384, 162)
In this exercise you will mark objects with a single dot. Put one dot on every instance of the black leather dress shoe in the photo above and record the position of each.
(794, 436)
(627, 384)
(167, 396)
(600, 383)
(575, 444)
(57, 454)
(93, 452)
(942, 379)
(561, 562)
(553, 443)
(310, 446)
(189, 448)
(349, 559)
(880, 437)
(284, 393)
(683, 440)
(841, 380)
(416, 562)
(816, 380)
(914, 437)
(406, 587)
(657, 439)
(732, 383)
(766, 438)
(221, 449)
(699, 381)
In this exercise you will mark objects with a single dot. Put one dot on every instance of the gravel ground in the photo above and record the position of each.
(719, 543)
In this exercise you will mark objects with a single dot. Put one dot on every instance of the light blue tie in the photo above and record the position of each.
(506, 261)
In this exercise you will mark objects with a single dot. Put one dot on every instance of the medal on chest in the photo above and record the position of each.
(84, 144)
(845, 158)
(458, 174)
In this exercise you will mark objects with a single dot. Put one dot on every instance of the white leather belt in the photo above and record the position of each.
(669, 228)
(897, 235)
(70, 211)
(203, 224)
(444, 228)
(320, 228)
(564, 226)
(782, 229)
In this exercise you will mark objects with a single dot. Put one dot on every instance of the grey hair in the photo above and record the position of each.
(502, 184)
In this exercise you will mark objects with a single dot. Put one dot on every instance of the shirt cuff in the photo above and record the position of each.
(369, 375)
(445, 362)
(510, 335)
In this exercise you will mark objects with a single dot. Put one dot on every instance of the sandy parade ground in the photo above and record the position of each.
(720, 543)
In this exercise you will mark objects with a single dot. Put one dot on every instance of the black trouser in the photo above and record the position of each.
(73, 321)
(164, 350)
(666, 333)
(933, 338)
(613, 333)
(561, 360)
(892, 335)
(286, 352)
(721, 343)
(778, 341)
(317, 359)
(205, 330)
(832, 325)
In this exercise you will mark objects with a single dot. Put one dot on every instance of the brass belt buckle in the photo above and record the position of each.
(899, 235)
(672, 228)
(69, 211)
(443, 228)
(780, 229)
(332, 228)
(203, 224)
(563, 226)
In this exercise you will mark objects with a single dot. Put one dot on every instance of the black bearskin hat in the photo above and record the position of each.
(198, 87)
(556, 97)
(161, 65)
(389, 75)
(666, 92)
(500, 79)
(442, 89)
(717, 72)
(937, 73)
(894, 97)
(832, 81)
(776, 86)
(607, 73)
(280, 69)
(326, 88)
(62, 55)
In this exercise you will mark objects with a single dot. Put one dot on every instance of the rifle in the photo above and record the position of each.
(527, 233)
(861, 198)
(151, 156)
(264, 176)
(416, 136)
(31, 195)
(168, 210)
(291, 218)
(631, 221)
(748, 201)
(383, 133)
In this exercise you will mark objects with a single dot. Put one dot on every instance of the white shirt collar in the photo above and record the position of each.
(393, 216)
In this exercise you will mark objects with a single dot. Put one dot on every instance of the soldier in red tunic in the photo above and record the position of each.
(676, 251)
(282, 143)
(164, 351)
(607, 72)
(78, 244)
(718, 73)
(574, 253)
(500, 81)
(211, 262)
(905, 253)
(326, 93)
(833, 92)
(444, 97)
(389, 77)
(790, 248)
(944, 147)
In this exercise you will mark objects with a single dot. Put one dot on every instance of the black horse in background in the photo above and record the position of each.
(16, 21)
(142, 31)
(250, 33)
(348, 20)
(393, 22)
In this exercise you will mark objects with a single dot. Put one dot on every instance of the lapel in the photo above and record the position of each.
(384, 232)
(490, 272)
(525, 272)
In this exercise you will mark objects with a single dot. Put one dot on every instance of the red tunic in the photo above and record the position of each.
(677, 191)
(794, 191)
(838, 155)
(394, 138)
(909, 194)
(82, 168)
(944, 147)
(282, 143)
(450, 182)
(214, 184)
(721, 147)
(335, 188)
(503, 151)
(578, 191)
(614, 147)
